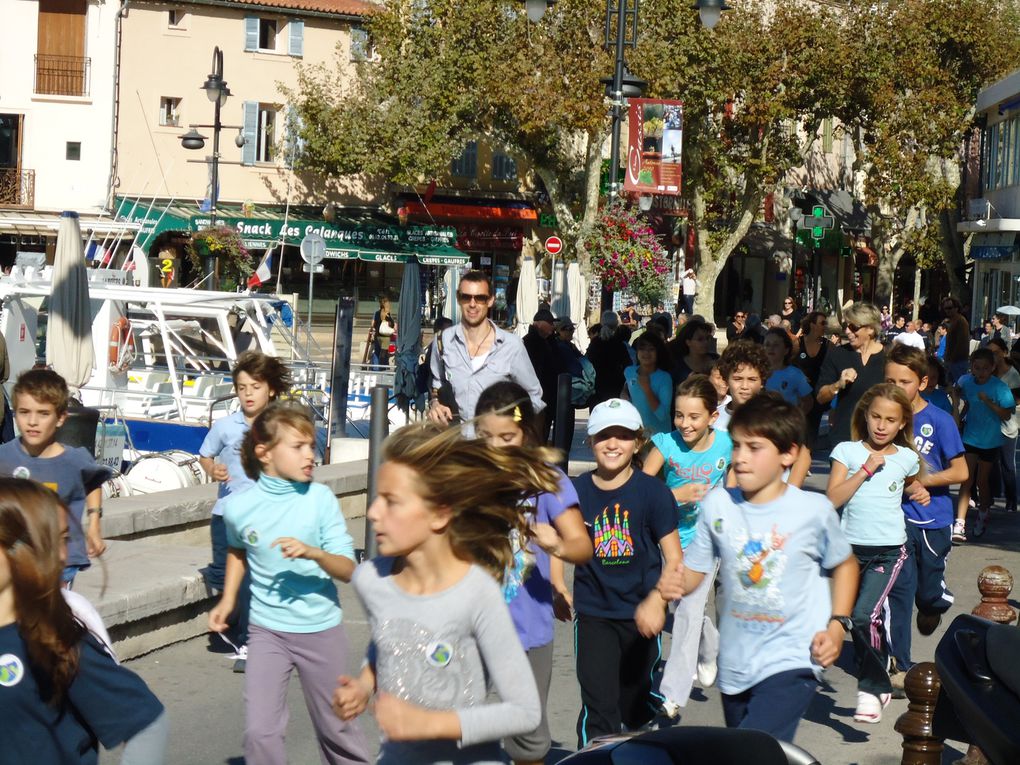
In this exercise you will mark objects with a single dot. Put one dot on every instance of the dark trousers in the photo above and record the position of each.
(922, 582)
(1007, 472)
(214, 575)
(689, 305)
(614, 669)
(775, 705)
(879, 568)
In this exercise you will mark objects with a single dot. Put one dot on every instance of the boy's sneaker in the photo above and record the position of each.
(897, 679)
(959, 531)
(982, 523)
(707, 672)
(870, 706)
(928, 621)
(240, 659)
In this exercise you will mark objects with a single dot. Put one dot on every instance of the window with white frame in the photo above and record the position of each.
(265, 135)
(175, 18)
(170, 111)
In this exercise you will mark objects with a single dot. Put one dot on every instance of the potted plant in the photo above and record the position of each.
(627, 255)
(224, 244)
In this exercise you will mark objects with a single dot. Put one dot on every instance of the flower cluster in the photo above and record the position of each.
(627, 255)
(225, 245)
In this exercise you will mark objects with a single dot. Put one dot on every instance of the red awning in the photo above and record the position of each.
(467, 211)
(861, 247)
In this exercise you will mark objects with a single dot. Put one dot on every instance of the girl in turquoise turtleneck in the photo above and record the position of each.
(289, 533)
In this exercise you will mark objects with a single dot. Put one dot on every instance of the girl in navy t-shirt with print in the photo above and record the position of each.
(619, 611)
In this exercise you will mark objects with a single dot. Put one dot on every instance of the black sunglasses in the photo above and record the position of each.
(480, 298)
(855, 328)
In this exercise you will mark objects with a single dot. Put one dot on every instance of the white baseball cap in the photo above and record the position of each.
(614, 412)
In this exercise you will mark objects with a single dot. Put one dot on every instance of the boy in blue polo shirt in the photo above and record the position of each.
(929, 527)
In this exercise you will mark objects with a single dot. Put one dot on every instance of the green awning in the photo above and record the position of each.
(353, 234)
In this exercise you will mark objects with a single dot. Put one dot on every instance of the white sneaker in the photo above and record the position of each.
(241, 654)
(870, 706)
(670, 709)
(707, 672)
(959, 531)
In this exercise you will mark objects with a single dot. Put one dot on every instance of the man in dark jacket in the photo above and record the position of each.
(539, 343)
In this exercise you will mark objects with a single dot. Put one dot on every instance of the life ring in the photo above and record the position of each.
(122, 346)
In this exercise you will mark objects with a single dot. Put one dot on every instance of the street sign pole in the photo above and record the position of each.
(313, 250)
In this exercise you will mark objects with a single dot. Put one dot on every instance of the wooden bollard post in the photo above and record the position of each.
(920, 744)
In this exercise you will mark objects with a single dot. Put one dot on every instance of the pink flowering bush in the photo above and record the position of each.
(627, 255)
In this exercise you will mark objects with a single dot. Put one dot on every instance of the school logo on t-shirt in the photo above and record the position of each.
(927, 430)
(439, 653)
(251, 536)
(613, 543)
(720, 463)
(894, 487)
(11, 670)
(21, 472)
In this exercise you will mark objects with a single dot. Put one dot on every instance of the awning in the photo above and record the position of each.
(33, 223)
(353, 234)
(994, 245)
(468, 209)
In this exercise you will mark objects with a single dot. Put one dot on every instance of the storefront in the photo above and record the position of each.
(996, 280)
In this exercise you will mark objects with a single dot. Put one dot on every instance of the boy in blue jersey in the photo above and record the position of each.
(929, 527)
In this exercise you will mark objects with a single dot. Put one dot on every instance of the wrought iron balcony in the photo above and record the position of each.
(17, 187)
(62, 75)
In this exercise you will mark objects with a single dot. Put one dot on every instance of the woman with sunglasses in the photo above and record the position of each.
(849, 370)
(792, 313)
(736, 326)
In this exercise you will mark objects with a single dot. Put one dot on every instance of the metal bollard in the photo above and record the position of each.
(563, 425)
(379, 429)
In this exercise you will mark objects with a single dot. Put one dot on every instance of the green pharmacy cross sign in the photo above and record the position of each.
(819, 221)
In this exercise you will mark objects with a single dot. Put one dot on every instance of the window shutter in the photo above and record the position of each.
(251, 32)
(251, 127)
(297, 37)
(504, 168)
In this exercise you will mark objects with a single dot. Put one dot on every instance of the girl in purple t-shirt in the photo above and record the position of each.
(505, 417)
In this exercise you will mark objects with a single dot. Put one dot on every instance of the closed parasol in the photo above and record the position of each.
(405, 385)
(69, 348)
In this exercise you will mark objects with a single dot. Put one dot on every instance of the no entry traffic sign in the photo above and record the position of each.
(554, 245)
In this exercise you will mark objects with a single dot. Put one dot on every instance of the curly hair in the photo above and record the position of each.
(483, 487)
(30, 540)
(744, 353)
(265, 369)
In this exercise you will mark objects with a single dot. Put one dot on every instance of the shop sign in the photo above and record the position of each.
(654, 150)
(476, 236)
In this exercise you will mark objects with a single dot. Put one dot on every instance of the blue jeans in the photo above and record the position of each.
(879, 568)
(775, 705)
(214, 575)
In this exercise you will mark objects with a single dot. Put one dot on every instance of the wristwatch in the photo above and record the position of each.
(97, 510)
(844, 621)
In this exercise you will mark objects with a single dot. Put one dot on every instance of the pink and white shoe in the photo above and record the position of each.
(870, 706)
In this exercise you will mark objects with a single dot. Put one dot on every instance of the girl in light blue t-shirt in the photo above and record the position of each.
(869, 477)
(693, 459)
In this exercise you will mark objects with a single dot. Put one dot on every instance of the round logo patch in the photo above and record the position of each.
(251, 536)
(439, 653)
(11, 670)
(927, 430)
(894, 487)
(717, 525)
(21, 472)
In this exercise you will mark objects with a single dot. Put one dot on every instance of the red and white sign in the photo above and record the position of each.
(554, 245)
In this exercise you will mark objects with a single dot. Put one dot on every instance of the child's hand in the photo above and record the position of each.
(350, 698)
(295, 548)
(650, 615)
(917, 493)
(219, 472)
(691, 492)
(219, 615)
(874, 462)
(563, 605)
(826, 647)
(547, 538)
(94, 543)
(671, 583)
(399, 720)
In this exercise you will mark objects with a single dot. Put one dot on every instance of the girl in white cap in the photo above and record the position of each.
(619, 612)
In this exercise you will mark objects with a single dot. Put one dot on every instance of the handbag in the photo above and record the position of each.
(385, 328)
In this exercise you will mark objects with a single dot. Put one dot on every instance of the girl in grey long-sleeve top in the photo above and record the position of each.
(443, 518)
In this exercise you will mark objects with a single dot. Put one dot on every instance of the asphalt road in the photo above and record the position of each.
(203, 696)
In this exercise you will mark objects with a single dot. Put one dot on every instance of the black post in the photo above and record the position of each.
(617, 99)
(340, 377)
(379, 428)
(563, 425)
(210, 260)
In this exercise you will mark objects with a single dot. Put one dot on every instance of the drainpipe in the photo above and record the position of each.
(114, 182)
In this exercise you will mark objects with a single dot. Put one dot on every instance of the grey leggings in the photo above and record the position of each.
(148, 746)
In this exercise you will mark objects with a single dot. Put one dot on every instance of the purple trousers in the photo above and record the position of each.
(319, 658)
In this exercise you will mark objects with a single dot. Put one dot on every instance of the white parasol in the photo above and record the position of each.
(69, 348)
(577, 290)
(527, 296)
(451, 280)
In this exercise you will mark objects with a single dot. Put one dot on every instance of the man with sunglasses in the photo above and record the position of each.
(472, 355)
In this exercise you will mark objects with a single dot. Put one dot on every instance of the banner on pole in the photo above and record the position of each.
(656, 130)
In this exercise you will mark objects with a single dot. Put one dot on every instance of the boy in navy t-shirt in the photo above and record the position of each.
(620, 613)
(929, 527)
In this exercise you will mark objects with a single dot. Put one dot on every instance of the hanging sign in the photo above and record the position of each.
(656, 130)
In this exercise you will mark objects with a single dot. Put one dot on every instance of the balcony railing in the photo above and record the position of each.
(17, 187)
(62, 75)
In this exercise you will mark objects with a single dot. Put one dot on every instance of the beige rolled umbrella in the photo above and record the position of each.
(527, 295)
(577, 289)
(69, 350)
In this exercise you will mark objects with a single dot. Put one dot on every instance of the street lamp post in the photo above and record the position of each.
(621, 32)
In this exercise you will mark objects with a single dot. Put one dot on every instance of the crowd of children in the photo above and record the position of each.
(473, 537)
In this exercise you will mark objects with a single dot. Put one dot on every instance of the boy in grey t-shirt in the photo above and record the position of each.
(776, 544)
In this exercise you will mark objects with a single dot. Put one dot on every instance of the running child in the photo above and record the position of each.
(693, 459)
(40, 408)
(868, 478)
(929, 526)
(258, 380)
(441, 631)
(988, 403)
(288, 533)
(619, 612)
(778, 548)
(62, 693)
(786, 380)
(506, 418)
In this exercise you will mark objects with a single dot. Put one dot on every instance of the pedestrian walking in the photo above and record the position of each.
(289, 535)
(922, 579)
(441, 631)
(792, 313)
(620, 613)
(868, 478)
(693, 459)
(957, 350)
(786, 380)
(648, 384)
(608, 353)
(62, 693)
(690, 286)
(1011, 427)
(383, 330)
(809, 354)
(531, 589)
(691, 351)
(779, 551)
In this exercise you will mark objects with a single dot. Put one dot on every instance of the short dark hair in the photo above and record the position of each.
(768, 415)
(663, 358)
(983, 354)
(785, 339)
(907, 356)
(43, 385)
(998, 342)
(476, 275)
(265, 369)
(744, 353)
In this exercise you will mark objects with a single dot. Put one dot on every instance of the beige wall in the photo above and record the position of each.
(161, 61)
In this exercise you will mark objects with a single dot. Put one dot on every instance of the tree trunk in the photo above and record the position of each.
(953, 255)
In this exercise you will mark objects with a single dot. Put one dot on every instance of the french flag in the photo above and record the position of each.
(263, 273)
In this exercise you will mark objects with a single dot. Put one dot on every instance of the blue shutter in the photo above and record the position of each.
(251, 32)
(297, 37)
(359, 44)
(504, 168)
(251, 129)
(466, 165)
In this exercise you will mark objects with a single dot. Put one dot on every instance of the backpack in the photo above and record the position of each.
(582, 386)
